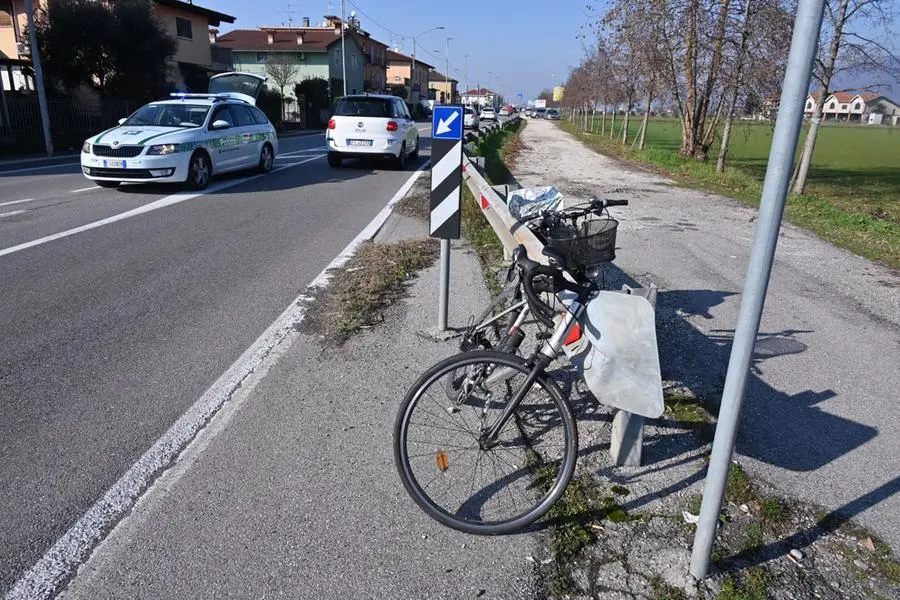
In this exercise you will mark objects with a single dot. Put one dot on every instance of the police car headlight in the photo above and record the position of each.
(163, 149)
(86, 148)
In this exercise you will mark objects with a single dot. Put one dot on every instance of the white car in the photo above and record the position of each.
(186, 139)
(372, 126)
(487, 113)
(470, 119)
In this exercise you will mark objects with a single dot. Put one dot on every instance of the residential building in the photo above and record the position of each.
(442, 89)
(185, 21)
(400, 73)
(854, 107)
(315, 52)
(480, 97)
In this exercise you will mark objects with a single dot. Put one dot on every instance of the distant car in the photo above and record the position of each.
(553, 114)
(540, 113)
(187, 138)
(372, 126)
(488, 114)
(505, 112)
(470, 119)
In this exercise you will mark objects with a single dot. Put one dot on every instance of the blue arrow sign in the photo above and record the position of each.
(447, 123)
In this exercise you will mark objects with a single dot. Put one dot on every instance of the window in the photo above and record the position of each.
(183, 28)
(169, 115)
(843, 107)
(6, 13)
(242, 116)
(258, 116)
(857, 106)
(353, 62)
(831, 106)
(809, 106)
(222, 114)
(363, 107)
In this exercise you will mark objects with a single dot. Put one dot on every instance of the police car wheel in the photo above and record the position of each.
(266, 159)
(198, 171)
(108, 184)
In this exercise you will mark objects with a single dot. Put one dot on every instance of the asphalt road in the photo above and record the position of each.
(109, 333)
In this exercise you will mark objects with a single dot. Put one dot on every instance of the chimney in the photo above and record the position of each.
(306, 21)
(270, 38)
(299, 39)
(213, 35)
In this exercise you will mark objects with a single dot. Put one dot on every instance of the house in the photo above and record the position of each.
(442, 89)
(480, 97)
(315, 52)
(400, 73)
(854, 107)
(195, 57)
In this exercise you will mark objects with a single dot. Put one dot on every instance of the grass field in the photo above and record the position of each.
(853, 194)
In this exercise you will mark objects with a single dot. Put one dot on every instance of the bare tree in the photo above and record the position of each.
(843, 48)
(283, 73)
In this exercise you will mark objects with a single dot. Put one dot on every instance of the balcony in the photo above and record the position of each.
(221, 58)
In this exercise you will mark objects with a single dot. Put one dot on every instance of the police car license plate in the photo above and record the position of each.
(359, 142)
(114, 164)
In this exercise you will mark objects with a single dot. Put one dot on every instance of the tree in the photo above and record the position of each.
(314, 91)
(856, 37)
(282, 73)
(119, 48)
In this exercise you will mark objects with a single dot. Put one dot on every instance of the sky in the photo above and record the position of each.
(513, 46)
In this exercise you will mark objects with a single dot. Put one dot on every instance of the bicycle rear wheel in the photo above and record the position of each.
(453, 475)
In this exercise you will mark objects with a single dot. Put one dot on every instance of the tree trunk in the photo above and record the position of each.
(726, 133)
(612, 125)
(603, 122)
(642, 140)
(738, 81)
(690, 76)
(809, 146)
(625, 124)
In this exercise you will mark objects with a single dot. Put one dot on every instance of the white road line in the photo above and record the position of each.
(306, 151)
(16, 202)
(56, 166)
(93, 187)
(42, 579)
(161, 203)
(11, 213)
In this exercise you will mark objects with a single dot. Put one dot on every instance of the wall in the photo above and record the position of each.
(397, 73)
(10, 35)
(355, 67)
(315, 65)
(195, 50)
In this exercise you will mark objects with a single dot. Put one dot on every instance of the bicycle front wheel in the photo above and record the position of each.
(454, 474)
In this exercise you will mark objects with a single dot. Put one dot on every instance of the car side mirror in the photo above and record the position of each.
(220, 124)
(122, 121)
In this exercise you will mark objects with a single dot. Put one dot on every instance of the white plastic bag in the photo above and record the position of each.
(529, 202)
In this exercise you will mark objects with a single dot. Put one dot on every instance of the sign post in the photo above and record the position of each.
(446, 185)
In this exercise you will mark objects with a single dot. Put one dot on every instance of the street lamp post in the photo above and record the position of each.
(412, 74)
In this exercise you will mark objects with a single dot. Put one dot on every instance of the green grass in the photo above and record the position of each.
(753, 586)
(739, 489)
(852, 197)
(499, 151)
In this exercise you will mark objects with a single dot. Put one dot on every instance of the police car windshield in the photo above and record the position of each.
(169, 115)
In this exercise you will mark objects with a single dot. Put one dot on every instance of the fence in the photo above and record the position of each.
(72, 120)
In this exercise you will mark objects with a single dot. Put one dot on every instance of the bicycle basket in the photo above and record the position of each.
(591, 244)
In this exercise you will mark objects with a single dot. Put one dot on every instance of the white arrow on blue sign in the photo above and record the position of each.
(447, 123)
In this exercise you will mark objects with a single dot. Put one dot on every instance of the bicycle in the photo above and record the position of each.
(500, 414)
(499, 327)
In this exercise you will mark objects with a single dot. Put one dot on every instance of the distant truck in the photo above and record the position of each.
(540, 103)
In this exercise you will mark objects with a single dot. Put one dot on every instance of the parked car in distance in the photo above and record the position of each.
(186, 138)
(540, 113)
(487, 113)
(505, 112)
(553, 114)
(372, 126)
(470, 118)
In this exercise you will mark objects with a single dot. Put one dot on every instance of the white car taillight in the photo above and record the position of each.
(392, 126)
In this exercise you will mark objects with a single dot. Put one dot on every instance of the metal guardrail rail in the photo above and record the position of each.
(626, 440)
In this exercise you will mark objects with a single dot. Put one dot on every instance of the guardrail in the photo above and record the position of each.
(627, 437)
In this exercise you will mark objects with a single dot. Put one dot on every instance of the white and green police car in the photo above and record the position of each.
(186, 139)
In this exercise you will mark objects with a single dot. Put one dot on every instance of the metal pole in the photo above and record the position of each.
(38, 78)
(412, 73)
(343, 53)
(778, 173)
(444, 290)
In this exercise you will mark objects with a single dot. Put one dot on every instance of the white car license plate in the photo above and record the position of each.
(359, 142)
(114, 164)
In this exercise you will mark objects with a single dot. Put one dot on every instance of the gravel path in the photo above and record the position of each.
(819, 421)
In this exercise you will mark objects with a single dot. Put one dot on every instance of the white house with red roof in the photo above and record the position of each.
(854, 107)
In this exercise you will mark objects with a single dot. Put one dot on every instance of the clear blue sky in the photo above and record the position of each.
(533, 49)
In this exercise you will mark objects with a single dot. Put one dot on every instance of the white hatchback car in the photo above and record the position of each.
(372, 126)
(470, 119)
(487, 113)
(186, 139)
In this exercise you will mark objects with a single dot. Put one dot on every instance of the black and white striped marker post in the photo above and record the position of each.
(446, 186)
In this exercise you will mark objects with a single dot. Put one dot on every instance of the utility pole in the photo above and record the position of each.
(447, 72)
(39, 78)
(343, 54)
(466, 72)
(412, 73)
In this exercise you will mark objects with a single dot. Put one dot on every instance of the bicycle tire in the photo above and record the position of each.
(538, 447)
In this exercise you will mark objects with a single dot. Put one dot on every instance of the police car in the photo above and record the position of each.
(186, 139)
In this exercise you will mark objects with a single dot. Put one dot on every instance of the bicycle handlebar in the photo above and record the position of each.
(531, 270)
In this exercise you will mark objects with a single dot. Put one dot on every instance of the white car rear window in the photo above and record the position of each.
(364, 107)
